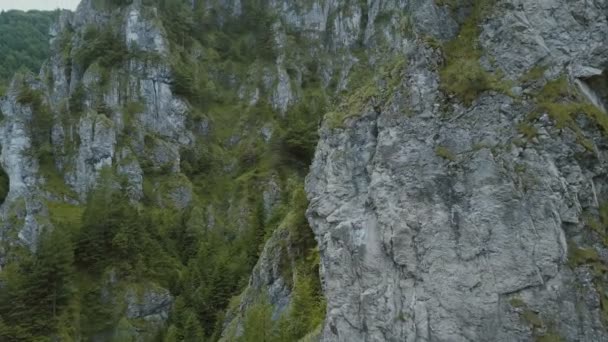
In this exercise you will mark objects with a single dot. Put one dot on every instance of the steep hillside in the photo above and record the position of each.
(24, 42)
(272, 170)
(469, 203)
(160, 147)
(134, 156)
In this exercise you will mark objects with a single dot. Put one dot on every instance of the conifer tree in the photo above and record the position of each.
(258, 326)
(51, 279)
(192, 329)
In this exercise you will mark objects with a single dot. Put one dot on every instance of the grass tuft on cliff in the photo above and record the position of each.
(462, 75)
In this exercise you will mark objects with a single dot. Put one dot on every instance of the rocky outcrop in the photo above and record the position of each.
(21, 206)
(334, 30)
(443, 222)
(99, 118)
(91, 137)
(553, 33)
(268, 281)
(438, 218)
(97, 147)
(151, 305)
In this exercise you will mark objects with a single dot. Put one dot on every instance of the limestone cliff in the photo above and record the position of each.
(467, 207)
(458, 190)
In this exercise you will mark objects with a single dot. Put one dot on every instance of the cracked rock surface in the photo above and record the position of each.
(435, 223)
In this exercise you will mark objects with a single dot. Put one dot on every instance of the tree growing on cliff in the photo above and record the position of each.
(38, 289)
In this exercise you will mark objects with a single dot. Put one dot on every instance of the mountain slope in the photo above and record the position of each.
(470, 203)
(163, 180)
(157, 166)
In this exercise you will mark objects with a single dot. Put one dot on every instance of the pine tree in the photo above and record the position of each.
(307, 307)
(37, 289)
(258, 325)
(50, 282)
(106, 211)
(171, 335)
(193, 332)
(124, 331)
(14, 311)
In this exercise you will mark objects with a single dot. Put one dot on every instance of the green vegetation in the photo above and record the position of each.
(354, 104)
(24, 42)
(258, 325)
(534, 74)
(214, 264)
(38, 289)
(563, 105)
(517, 302)
(307, 309)
(298, 135)
(305, 314)
(365, 89)
(76, 100)
(204, 253)
(542, 330)
(581, 256)
(527, 130)
(103, 46)
(41, 116)
(589, 257)
(532, 318)
(42, 149)
(63, 214)
(462, 75)
(599, 223)
(230, 48)
(445, 153)
(110, 4)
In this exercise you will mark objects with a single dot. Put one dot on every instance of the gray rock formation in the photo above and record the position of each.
(336, 30)
(86, 144)
(267, 281)
(21, 206)
(151, 305)
(85, 141)
(437, 219)
(439, 222)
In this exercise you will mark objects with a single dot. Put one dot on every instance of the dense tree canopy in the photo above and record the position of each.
(24, 41)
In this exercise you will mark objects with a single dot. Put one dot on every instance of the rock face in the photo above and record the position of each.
(470, 211)
(441, 222)
(21, 205)
(85, 141)
(152, 305)
(267, 281)
(335, 31)
(88, 111)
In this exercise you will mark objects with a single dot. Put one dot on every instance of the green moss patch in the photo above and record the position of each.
(564, 104)
(534, 74)
(365, 88)
(445, 153)
(517, 302)
(541, 330)
(62, 214)
(462, 75)
(589, 257)
(527, 130)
